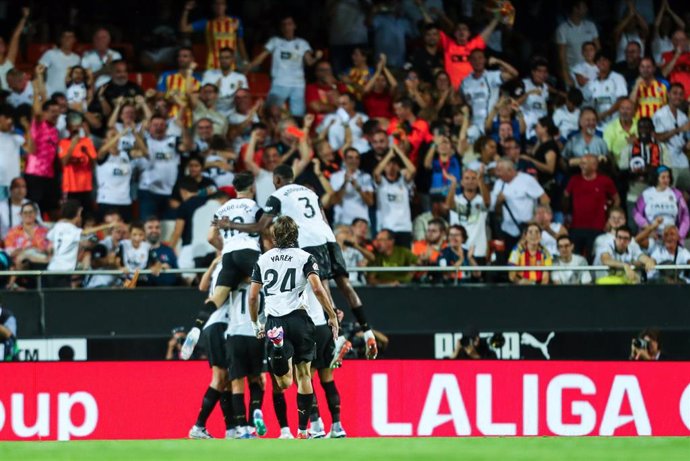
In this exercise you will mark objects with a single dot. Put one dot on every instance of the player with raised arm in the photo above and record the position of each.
(213, 340)
(240, 252)
(317, 239)
(284, 273)
(325, 351)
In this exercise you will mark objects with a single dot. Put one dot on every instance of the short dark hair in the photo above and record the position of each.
(603, 54)
(575, 96)
(538, 61)
(371, 126)
(547, 122)
(70, 209)
(653, 333)
(390, 235)
(136, 225)
(350, 149)
(563, 237)
(228, 49)
(184, 48)
(243, 181)
(284, 172)
(46, 105)
(6, 111)
(285, 232)
(437, 222)
(624, 228)
(30, 204)
(461, 229)
(357, 220)
(405, 102)
(587, 43)
(676, 85)
(430, 26)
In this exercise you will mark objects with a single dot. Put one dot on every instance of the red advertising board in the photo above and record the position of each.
(158, 400)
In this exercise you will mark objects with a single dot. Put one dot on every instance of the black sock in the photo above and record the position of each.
(226, 406)
(280, 408)
(203, 315)
(256, 398)
(208, 403)
(279, 362)
(314, 413)
(361, 318)
(304, 402)
(333, 398)
(240, 410)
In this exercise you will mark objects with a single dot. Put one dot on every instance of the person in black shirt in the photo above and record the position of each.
(205, 185)
(119, 85)
(428, 59)
(379, 149)
(191, 200)
(545, 158)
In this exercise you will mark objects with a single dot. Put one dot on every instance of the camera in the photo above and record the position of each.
(640, 343)
(497, 341)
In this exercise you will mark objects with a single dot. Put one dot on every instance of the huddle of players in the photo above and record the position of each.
(297, 314)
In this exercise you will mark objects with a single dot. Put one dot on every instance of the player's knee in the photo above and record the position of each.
(284, 382)
(237, 386)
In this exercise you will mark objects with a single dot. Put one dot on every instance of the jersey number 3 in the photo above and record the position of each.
(309, 212)
(288, 283)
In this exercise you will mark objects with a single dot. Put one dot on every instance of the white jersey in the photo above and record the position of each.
(160, 170)
(287, 67)
(548, 241)
(57, 65)
(302, 205)
(535, 105)
(227, 87)
(114, 178)
(481, 93)
(353, 205)
(587, 70)
(605, 92)
(65, 238)
(127, 141)
(664, 120)
(472, 216)
(567, 122)
(219, 176)
(94, 61)
(134, 258)
(662, 205)
(283, 273)
(393, 205)
(222, 314)
(240, 322)
(243, 211)
(25, 97)
(314, 307)
(76, 94)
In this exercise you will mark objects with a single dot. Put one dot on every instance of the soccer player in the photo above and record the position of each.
(213, 339)
(247, 358)
(240, 252)
(325, 350)
(284, 273)
(317, 239)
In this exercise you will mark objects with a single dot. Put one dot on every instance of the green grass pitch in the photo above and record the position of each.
(493, 449)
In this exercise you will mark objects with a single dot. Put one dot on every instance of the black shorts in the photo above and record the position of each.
(320, 254)
(246, 356)
(338, 266)
(325, 347)
(299, 342)
(213, 342)
(237, 265)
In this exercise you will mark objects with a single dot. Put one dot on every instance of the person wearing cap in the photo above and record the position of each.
(78, 158)
(606, 90)
(640, 159)
(662, 201)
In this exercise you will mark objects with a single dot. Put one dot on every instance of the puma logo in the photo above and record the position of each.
(527, 339)
(302, 412)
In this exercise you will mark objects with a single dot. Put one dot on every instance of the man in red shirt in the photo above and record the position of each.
(321, 96)
(457, 49)
(409, 131)
(676, 63)
(78, 157)
(588, 195)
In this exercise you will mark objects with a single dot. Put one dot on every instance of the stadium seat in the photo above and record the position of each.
(36, 50)
(200, 52)
(146, 80)
(259, 84)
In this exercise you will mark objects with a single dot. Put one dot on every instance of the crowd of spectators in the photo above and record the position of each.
(435, 135)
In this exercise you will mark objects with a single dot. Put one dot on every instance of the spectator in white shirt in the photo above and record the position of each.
(568, 259)
(632, 28)
(227, 80)
(99, 59)
(585, 70)
(346, 116)
(550, 231)
(10, 149)
(567, 117)
(622, 259)
(354, 190)
(10, 209)
(20, 88)
(58, 61)
(670, 251)
(571, 35)
(514, 197)
(289, 55)
(606, 90)
(671, 126)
